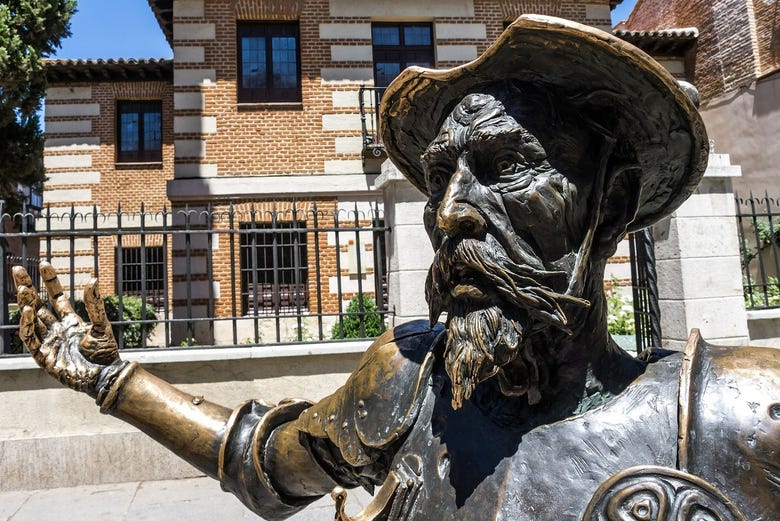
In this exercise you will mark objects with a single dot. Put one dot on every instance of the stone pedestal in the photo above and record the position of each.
(698, 264)
(409, 251)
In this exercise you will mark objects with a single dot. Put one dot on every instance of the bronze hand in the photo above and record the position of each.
(75, 353)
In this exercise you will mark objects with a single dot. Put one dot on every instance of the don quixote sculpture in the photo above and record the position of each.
(536, 158)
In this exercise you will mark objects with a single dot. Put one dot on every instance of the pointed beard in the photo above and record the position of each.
(479, 343)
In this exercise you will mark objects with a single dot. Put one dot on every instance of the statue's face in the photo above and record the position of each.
(505, 227)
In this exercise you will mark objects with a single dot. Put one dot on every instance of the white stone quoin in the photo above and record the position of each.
(698, 265)
(407, 265)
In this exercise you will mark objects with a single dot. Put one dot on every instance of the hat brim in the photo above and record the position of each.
(657, 129)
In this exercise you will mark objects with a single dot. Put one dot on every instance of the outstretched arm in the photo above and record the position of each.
(236, 447)
(85, 357)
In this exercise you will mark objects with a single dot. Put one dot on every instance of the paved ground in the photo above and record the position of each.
(196, 499)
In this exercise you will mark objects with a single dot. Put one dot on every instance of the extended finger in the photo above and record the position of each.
(29, 334)
(96, 310)
(21, 277)
(98, 345)
(27, 296)
(56, 295)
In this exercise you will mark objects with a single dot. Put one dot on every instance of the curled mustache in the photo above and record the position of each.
(486, 261)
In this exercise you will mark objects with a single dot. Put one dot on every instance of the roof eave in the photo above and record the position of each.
(68, 71)
(163, 11)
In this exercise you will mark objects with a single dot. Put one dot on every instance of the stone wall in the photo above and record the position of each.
(745, 124)
(53, 437)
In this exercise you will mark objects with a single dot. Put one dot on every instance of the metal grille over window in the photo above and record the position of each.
(143, 273)
(274, 268)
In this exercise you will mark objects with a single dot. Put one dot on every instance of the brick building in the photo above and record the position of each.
(734, 64)
(260, 110)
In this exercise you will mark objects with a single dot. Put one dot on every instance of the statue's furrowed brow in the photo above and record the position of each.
(493, 137)
(438, 153)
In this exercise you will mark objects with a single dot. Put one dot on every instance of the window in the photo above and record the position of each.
(139, 131)
(274, 268)
(142, 271)
(268, 64)
(399, 45)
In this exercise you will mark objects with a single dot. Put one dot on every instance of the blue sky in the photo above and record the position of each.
(622, 11)
(128, 29)
(114, 29)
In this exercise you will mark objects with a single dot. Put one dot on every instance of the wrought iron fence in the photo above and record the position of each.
(644, 285)
(758, 225)
(230, 275)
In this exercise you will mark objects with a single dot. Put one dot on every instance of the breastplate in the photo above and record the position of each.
(464, 465)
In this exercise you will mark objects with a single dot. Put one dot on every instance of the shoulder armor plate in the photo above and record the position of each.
(729, 417)
(382, 397)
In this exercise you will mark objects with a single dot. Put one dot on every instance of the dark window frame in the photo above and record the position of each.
(270, 93)
(140, 107)
(285, 297)
(403, 54)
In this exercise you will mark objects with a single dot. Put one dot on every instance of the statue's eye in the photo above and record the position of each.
(506, 164)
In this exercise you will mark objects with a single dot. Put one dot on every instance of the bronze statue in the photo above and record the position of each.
(536, 158)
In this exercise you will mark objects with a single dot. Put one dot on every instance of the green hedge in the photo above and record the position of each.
(352, 320)
(131, 306)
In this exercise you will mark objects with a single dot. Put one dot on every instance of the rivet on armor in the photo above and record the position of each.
(362, 414)
(315, 415)
(361, 404)
(197, 400)
(332, 418)
(774, 411)
(345, 424)
(410, 482)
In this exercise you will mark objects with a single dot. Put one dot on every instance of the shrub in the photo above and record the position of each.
(755, 298)
(16, 347)
(371, 320)
(131, 306)
(620, 313)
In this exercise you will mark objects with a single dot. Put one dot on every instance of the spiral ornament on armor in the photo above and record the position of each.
(649, 493)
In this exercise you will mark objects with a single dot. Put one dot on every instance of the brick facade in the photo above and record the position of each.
(737, 38)
(322, 133)
(259, 155)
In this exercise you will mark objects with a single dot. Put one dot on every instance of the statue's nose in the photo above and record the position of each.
(458, 214)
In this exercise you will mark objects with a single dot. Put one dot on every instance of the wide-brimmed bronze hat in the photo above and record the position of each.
(657, 129)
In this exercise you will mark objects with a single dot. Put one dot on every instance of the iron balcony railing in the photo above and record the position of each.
(231, 275)
(758, 226)
(370, 97)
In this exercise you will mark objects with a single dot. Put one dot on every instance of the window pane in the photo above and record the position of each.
(253, 66)
(385, 35)
(152, 131)
(412, 45)
(386, 72)
(128, 132)
(284, 59)
(417, 35)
